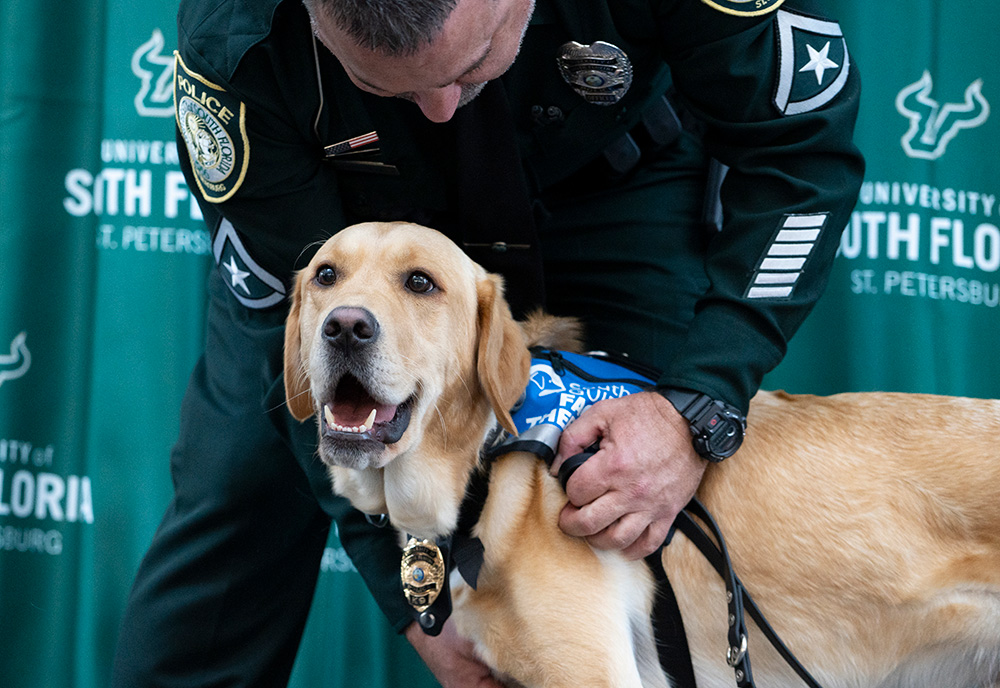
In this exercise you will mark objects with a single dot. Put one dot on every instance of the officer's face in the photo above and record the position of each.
(479, 42)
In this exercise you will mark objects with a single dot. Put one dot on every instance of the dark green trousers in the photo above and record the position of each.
(223, 593)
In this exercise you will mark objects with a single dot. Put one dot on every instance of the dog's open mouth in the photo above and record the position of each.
(353, 414)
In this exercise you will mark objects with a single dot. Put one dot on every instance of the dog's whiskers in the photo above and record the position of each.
(314, 244)
(286, 401)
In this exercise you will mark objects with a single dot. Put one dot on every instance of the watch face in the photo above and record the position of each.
(721, 434)
(725, 438)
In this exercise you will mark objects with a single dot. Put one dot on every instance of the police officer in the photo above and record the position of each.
(566, 145)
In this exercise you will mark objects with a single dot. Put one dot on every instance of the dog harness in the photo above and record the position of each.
(561, 386)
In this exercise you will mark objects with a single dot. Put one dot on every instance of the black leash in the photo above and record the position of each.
(739, 600)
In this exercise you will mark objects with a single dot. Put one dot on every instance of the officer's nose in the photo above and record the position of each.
(439, 104)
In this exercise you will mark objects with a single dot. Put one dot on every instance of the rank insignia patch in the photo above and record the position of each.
(785, 258)
(745, 8)
(813, 63)
(213, 125)
(252, 285)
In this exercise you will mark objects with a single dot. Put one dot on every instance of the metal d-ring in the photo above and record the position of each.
(735, 654)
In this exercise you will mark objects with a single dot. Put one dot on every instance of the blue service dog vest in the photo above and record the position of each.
(561, 386)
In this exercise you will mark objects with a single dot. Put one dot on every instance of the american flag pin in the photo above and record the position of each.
(358, 144)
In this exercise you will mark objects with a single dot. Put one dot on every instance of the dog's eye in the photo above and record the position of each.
(419, 283)
(326, 276)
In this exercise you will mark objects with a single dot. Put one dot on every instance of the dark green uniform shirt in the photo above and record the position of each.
(770, 83)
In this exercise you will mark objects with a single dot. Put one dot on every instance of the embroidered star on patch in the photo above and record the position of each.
(818, 61)
(809, 47)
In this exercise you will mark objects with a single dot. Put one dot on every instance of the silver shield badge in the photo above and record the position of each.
(600, 72)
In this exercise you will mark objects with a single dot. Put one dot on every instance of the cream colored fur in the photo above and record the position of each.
(866, 526)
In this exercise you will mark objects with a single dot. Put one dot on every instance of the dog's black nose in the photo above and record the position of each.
(349, 326)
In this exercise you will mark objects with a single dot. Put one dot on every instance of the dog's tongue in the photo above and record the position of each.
(355, 415)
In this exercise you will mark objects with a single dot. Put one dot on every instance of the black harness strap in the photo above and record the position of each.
(460, 550)
(737, 597)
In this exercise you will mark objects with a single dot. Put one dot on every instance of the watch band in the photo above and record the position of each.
(717, 428)
(687, 402)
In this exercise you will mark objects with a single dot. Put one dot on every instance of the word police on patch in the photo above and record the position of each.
(213, 126)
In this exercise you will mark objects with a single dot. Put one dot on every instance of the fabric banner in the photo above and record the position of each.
(104, 261)
(914, 300)
(104, 258)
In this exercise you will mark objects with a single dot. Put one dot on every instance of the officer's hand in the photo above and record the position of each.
(626, 496)
(450, 658)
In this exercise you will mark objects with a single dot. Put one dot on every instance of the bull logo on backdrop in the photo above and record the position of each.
(156, 71)
(15, 364)
(932, 125)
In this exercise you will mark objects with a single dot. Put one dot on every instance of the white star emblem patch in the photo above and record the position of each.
(798, 55)
(239, 276)
(251, 284)
(818, 61)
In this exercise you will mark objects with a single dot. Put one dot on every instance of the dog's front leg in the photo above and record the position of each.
(548, 610)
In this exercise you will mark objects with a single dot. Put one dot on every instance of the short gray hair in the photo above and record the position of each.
(396, 28)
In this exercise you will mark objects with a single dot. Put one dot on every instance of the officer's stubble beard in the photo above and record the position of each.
(470, 91)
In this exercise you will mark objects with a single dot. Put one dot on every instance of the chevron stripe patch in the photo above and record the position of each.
(785, 257)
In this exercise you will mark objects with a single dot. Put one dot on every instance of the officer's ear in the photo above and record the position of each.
(297, 393)
(503, 361)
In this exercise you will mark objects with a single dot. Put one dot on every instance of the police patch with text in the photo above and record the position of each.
(213, 126)
(745, 8)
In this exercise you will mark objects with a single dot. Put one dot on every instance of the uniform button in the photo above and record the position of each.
(546, 115)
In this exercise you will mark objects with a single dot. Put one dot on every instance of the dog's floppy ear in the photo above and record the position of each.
(503, 361)
(296, 381)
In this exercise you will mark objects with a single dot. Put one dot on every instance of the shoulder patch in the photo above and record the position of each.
(813, 63)
(744, 8)
(251, 284)
(213, 125)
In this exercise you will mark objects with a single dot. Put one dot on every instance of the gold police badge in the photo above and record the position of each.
(422, 572)
(213, 126)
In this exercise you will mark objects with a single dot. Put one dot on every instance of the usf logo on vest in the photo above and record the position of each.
(156, 72)
(932, 125)
(16, 363)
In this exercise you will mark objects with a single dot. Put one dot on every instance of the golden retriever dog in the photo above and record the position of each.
(866, 526)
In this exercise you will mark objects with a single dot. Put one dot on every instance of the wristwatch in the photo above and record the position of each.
(717, 428)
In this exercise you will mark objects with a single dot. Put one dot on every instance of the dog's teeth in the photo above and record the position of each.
(330, 420)
(369, 422)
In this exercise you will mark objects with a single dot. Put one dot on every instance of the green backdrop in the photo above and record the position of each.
(103, 260)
